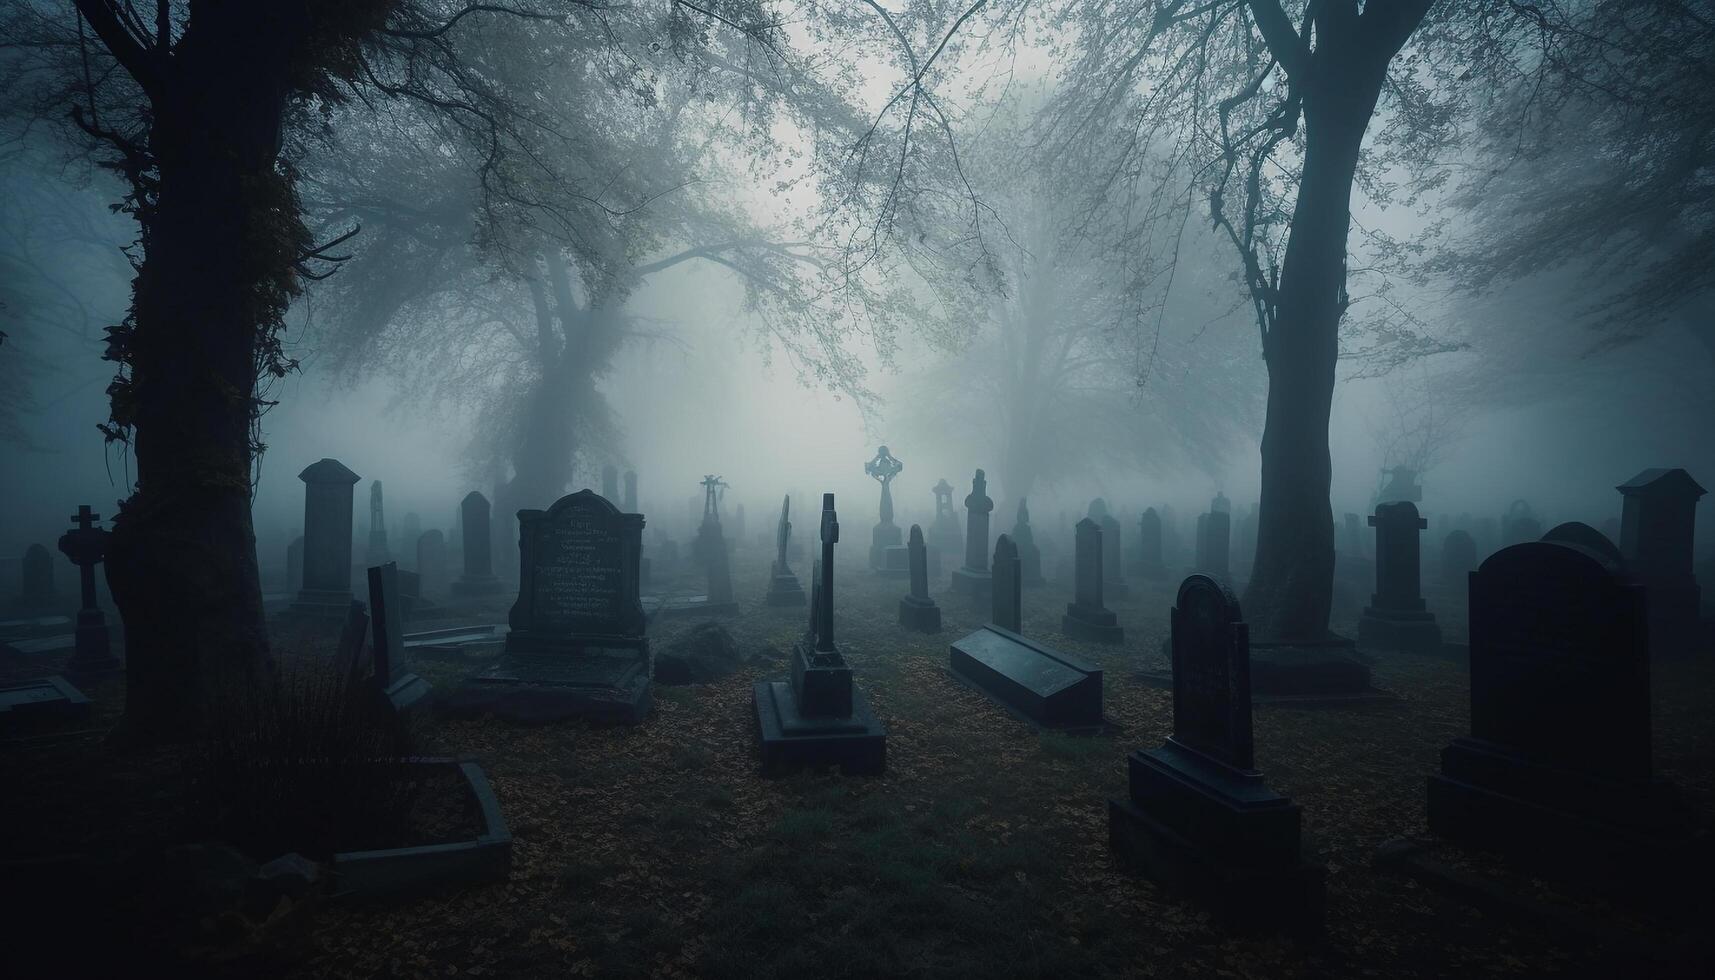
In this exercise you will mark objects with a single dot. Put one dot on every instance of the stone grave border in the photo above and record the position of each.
(406, 870)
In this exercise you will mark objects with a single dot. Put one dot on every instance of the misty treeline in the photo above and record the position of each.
(1105, 228)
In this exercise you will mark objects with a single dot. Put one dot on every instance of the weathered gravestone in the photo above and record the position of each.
(1150, 563)
(1198, 817)
(1007, 591)
(405, 693)
(1029, 555)
(1214, 543)
(376, 553)
(1458, 560)
(710, 551)
(478, 577)
(1397, 617)
(86, 546)
(1657, 528)
(326, 593)
(1086, 617)
(917, 611)
(295, 564)
(37, 591)
(1556, 773)
(1040, 685)
(973, 579)
(783, 587)
(944, 534)
(818, 717)
(432, 562)
(1113, 581)
(577, 645)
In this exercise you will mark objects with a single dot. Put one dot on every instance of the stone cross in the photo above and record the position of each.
(711, 500)
(1398, 569)
(86, 545)
(1008, 599)
(883, 468)
(919, 556)
(825, 587)
(977, 508)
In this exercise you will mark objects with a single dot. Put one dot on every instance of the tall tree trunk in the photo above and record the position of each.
(219, 244)
(1291, 586)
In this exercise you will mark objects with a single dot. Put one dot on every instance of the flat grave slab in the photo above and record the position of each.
(1044, 687)
(41, 700)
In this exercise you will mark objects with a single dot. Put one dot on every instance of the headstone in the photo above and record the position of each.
(1097, 511)
(86, 546)
(1519, 524)
(1113, 582)
(1007, 581)
(1150, 561)
(1029, 555)
(38, 590)
(350, 653)
(818, 717)
(917, 611)
(1220, 505)
(709, 529)
(405, 693)
(376, 553)
(1458, 560)
(1586, 537)
(577, 645)
(432, 562)
(1556, 772)
(945, 535)
(610, 484)
(1214, 543)
(1086, 617)
(1397, 618)
(327, 541)
(783, 587)
(1198, 816)
(883, 468)
(630, 503)
(295, 564)
(1657, 527)
(478, 577)
(973, 579)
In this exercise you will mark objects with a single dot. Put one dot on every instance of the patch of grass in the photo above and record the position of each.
(677, 694)
(800, 826)
(1073, 748)
(718, 798)
(582, 874)
(690, 757)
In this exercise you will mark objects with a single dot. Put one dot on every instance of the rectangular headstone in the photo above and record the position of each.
(1211, 674)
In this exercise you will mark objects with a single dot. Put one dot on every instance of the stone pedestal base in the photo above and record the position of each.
(921, 615)
(784, 590)
(1631, 837)
(1399, 629)
(1094, 625)
(92, 651)
(533, 684)
(818, 718)
(1220, 836)
(487, 585)
(882, 537)
(1326, 670)
(976, 585)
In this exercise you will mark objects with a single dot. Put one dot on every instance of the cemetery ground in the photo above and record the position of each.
(982, 851)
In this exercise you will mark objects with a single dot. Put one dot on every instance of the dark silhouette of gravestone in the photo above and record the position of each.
(629, 505)
(1556, 773)
(1214, 543)
(1657, 528)
(818, 717)
(883, 468)
(376, 553)
(1086, 617)
(1150, 563)
(86, 546)
(37, 591)
(1519, 524)
(295, 564)
(710, 551)
(1458, 560)
(973, 579)
(1097, 510)
(1198, 817)
(1029, 555)
(1586, 537)
(783, 587)
(432, 562)
(326, 593)
(577, 645)
(1007, 592)
(917, 611)
(478, 577)
(945, 535)
(1220, 505)
(1397, 618)
(404, 692)
(610, 483)
(1113, 582)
